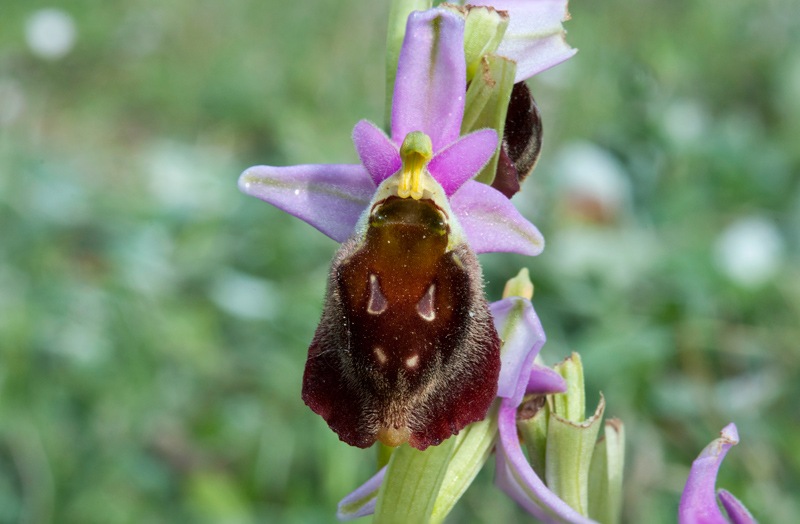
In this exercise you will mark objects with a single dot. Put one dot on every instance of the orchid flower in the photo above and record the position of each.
(698, 502)
(406, 350)
(428, 99)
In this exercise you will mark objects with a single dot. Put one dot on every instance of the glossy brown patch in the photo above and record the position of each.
(427, 364)
(522, 141)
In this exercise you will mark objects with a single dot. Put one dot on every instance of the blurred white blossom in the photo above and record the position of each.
(50, 33)
(590, 176)
(620, 256)
(685, 121)
(186, 177)
(750, 251)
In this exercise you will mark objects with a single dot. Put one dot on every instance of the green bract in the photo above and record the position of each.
(563, 448)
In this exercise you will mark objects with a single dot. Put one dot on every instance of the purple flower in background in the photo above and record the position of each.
(699, 500)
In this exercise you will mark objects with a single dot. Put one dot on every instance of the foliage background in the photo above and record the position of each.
(154, 321)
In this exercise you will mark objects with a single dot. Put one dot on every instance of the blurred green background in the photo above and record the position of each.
(154, 321)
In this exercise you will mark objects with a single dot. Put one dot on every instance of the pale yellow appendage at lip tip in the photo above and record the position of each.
(416, 152)
(393, 436)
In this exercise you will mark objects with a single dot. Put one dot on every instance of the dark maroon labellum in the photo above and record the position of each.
(406, 349)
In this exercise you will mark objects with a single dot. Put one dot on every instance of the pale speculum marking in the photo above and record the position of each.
(425, 305)
(412, 361)
(377, 302)
(380, 355)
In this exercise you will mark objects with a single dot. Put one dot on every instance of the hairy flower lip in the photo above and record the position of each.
(518, 373)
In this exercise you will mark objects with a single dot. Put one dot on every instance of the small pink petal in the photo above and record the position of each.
(463, 159)
(379, 155)
(545, 381)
